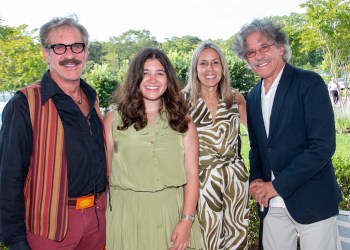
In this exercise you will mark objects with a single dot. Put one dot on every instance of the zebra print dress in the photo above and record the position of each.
(223, 201)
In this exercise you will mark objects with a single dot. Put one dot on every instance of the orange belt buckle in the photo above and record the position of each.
(85, 202)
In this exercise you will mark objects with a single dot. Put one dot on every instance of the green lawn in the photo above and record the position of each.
(343, 145)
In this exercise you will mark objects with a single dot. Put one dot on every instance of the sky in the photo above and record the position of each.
(206, 19)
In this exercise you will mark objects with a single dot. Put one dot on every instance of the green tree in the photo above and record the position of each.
(327, 28)
(294, 25)
(242, 77)
(96, 54)
(225, 45)
(181, 62)
(185, 44)
(104, 80)
(120, 50)
(21, 60)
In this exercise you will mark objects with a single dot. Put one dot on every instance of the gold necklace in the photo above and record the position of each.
(81, 98)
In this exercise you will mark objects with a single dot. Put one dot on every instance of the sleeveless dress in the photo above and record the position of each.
(146, 188)
(223, 204)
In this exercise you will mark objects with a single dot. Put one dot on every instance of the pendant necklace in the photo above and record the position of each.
(81, 98)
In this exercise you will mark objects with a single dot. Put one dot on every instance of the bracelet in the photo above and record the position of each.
(187, 217)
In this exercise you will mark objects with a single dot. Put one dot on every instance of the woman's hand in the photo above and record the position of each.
(181, 235)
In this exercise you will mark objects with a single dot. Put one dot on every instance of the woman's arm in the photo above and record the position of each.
(108, 126)
(241, 107)
(191, 189)
(181, 234)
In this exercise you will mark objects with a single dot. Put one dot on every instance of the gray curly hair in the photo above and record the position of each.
(267, 28)
(71, 20)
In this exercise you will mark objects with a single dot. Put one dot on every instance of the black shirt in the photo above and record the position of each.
(84, 145)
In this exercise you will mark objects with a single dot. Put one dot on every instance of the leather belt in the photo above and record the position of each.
(72, 201)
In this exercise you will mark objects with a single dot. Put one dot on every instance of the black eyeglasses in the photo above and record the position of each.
(60, 48)
(263, 49)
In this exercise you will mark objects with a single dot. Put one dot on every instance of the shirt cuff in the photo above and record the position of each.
(22, 245)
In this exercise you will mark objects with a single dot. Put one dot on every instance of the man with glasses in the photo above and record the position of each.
(292, 140)
(52, 152)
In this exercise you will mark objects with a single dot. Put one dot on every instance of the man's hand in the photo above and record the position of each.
(262, 191)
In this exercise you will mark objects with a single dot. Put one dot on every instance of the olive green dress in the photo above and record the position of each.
(146, 188)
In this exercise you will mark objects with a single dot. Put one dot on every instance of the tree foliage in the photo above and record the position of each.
(318, 38)
(303, 57)
(185, 44)
(327, 28)
(104, 80)
(242, 77)
(123, 48)
(21, 61)
(96, 54)
(181, 62)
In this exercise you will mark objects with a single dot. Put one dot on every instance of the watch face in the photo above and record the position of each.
(187, 217)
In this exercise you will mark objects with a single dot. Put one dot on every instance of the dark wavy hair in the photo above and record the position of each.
(129, 100)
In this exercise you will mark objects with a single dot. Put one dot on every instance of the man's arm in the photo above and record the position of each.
(15, 151)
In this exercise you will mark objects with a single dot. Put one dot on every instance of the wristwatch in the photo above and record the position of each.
(187, 217)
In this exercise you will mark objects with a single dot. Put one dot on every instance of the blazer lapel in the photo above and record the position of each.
(280, 95)
(258, 109)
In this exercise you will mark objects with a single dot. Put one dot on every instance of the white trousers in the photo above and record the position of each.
(281, 232)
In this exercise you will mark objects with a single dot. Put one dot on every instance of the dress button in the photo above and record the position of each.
(269, 150)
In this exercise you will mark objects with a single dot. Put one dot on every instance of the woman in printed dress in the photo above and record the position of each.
(217, 111)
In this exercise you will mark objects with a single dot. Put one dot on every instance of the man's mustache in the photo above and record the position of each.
(70, 61)
(261, 61)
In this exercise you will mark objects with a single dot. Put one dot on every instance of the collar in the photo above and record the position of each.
(49, 88)
(275, 82)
